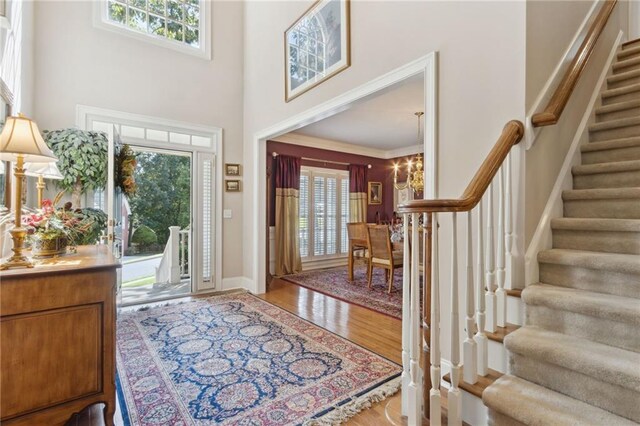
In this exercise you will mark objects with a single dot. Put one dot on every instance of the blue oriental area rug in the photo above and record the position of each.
(238, 360)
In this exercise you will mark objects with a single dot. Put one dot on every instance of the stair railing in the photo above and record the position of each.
(552, 112)
(421, 393)
(485, 291)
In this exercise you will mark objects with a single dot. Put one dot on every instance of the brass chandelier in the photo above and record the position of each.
(415, 177)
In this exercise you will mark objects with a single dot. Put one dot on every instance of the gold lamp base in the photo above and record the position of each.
(17, 260)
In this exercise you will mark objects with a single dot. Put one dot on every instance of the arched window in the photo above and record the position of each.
(307, 50)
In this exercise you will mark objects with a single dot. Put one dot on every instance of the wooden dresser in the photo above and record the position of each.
(57, 338)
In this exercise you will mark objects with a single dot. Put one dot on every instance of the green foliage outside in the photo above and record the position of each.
(163, 198)
(81, 160)
(144, 236)
(174, 19)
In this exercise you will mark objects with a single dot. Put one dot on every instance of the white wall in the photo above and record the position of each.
(80, 64)
(634, 19)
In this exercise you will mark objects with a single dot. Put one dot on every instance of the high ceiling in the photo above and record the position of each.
(383, 121)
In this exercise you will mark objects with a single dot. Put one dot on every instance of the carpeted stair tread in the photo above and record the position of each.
(601, 194)
(615, 167)
(614, 262)
(535, 405)
(631, 62)
(601, 362)
(619, 91)
(626, 53)
(631, 44)
(615, 124)
(618, 106)
(623, 79)
(606, 306)
(591, 224)
(611, 144)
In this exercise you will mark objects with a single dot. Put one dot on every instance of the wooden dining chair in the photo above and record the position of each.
(381, 252)
(358, 244)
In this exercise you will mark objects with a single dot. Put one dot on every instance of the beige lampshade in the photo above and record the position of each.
(20, 136)
(46, 170)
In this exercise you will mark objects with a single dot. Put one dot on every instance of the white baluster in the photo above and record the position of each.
(508, 219)
(501, 294)
(480, 337)
(470, 349)
(454, 396)
(508, 222)
(415, 339)
(406, 316)
(435, 413)
(492, 311)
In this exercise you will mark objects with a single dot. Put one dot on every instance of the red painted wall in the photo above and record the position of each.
(381, 171)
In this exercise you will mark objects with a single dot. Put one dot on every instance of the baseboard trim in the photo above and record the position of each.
(235, 283)
(542, 238)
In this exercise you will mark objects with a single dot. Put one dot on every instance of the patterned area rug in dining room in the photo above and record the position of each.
(334, 282)
(238, 360)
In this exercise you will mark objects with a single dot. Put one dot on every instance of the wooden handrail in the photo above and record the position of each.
(552, 112)
(511, 135)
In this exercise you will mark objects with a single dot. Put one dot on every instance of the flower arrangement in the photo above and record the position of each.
(52, 229)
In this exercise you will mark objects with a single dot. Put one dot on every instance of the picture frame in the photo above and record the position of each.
(374, 193)
(232, 185)
(401, 196)
(311, 60)
(232, 169)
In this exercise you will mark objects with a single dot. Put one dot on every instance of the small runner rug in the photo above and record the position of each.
(335, 282)
(238, 360)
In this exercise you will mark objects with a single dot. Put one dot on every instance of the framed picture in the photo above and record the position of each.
(232, 169)
(375, 193)
(232, 185)
(401, 196)
(317, 46)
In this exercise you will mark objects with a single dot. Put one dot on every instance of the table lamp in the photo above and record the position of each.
(21, 141)
(42, 171)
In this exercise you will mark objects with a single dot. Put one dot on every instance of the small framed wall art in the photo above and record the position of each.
(232, 186)
(375, 193)
(232, 169)
(317, 46)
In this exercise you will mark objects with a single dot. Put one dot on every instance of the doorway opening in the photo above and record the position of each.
(156, 227)
(346, 106)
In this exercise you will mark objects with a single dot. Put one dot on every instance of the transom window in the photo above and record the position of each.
(324, 213)
(177, 23)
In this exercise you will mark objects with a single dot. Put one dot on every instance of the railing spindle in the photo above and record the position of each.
(480, 337)
(501, 294)
(470, 371)
(415, 384)
(406, 315)
(454, 396)
(435, 412)
(426, 313)
(490, 266)
(508, 221)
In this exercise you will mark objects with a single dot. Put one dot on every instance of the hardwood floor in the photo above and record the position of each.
(372, 330)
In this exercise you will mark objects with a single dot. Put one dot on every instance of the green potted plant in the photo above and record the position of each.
(82, 160)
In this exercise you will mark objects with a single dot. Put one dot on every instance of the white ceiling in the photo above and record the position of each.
(384, 120)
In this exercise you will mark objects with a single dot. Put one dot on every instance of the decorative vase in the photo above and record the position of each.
(48, 246)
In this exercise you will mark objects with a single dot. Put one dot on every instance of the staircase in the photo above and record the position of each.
(577, 359)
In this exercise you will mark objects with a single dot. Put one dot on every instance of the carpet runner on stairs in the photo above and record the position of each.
(577, 359)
